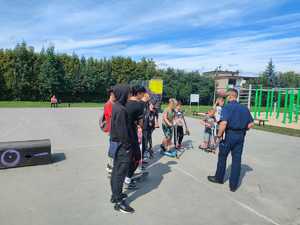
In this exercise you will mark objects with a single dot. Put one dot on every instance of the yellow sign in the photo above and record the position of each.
(156, 86)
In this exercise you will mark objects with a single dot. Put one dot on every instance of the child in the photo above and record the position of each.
(180, 122)
(208, 122)
(218, 107)
(148, 128)
(167, 125)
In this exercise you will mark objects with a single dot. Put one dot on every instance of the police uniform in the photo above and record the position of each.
(237, 117)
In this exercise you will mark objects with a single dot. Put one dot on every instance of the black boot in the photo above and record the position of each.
(123, 207)
(213, 179)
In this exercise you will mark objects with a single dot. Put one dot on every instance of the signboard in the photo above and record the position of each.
(156, 86)
(194, 98)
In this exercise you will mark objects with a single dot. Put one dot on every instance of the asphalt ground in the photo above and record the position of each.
(75, 190)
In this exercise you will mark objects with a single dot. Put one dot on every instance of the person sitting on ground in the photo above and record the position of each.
(167, 125)
(53, 101)
(180, 123)
(208, 122)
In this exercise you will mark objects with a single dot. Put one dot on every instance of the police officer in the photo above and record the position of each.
(235, 120)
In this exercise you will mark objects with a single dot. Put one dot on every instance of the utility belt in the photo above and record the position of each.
(235, 130)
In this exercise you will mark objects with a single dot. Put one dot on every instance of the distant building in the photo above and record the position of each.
(228, 79)
(225, 79)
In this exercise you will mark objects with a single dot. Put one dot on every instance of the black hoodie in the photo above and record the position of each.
(120, 131)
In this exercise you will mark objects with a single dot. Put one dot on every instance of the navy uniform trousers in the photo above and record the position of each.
(234, 142)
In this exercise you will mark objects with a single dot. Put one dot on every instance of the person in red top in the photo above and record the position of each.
(53, 101)
(108, 111)
(107, 117)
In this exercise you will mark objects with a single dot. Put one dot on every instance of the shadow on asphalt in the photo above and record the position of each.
(156, 170)
(244, 170)
(156, 176)
(58, 157)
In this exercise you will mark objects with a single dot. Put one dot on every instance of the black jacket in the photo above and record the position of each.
(120, 131)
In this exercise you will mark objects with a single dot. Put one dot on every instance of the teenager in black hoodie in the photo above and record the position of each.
(120, 134)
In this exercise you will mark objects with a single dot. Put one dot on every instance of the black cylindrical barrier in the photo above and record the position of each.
(24, 153)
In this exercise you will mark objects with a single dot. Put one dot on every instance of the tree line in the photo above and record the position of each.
(29, 75)
(270, 78)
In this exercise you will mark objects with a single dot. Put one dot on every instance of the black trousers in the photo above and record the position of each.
(234, 143)
(147, 140)
(122, 162)
(180, 135)
(135, 159)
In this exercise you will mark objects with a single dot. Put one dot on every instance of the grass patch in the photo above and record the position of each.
(279, 130)
(188, 111)
(31, 104)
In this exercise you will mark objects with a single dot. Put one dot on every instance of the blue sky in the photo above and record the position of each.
(191, 35)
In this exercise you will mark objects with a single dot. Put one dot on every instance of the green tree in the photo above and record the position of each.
(289, 79)
(51, 76)
(269, 75)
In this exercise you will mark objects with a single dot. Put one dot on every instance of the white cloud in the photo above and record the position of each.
(178, 33)
(71, 44)
(239, 53)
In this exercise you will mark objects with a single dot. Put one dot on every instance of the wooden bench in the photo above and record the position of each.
(261, 122)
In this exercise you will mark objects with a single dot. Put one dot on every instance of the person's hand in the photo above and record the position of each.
(218, 140)
(187, 132)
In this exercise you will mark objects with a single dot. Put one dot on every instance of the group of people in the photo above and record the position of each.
(173, 124)
(211, 122)
(130, 118)
(233, 121)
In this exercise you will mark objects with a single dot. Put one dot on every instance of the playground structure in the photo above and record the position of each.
(275, 106)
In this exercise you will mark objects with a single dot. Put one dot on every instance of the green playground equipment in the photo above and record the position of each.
(273, 99)
(276, 103)
(297, 106)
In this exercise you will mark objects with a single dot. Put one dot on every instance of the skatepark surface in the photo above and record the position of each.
(75, 190)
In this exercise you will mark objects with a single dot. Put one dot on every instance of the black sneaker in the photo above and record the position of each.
(123, 195)
(131, 186)
(213, 179)
(233, 189)
(123, 207)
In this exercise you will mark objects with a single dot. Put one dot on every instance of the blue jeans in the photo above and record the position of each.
(234, 142)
